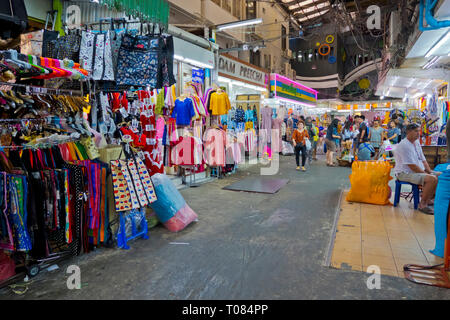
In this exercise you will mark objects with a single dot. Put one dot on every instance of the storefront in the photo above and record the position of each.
(245, 84)
(192, 64)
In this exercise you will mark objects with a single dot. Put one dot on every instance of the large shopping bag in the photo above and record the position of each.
(171, 208)
(370, 182)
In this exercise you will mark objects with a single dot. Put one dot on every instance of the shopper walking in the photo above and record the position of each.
(299, 140)
(330, 141)
(376, 136)
(393, 133)
(315, 139)
(313, 134)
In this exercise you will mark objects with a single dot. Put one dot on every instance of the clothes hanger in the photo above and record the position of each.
(11, 56)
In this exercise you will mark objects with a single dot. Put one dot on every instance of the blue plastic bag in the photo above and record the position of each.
(170, 200)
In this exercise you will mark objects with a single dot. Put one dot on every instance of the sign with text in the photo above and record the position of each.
(285, 88)
(238, 70)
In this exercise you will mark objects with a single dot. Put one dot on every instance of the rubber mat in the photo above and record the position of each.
(258, 185)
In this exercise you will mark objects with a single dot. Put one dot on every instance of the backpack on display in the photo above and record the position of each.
(13, 18)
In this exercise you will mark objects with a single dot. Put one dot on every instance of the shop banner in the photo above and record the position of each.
(241, 71)
(282, 87)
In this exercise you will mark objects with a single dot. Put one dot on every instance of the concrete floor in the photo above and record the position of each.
(244, 246)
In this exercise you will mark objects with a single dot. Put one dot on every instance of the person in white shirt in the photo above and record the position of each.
(411, 166)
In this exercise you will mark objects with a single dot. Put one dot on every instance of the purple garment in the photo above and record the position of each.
(276, 125)
(266, 124)
(266, 115)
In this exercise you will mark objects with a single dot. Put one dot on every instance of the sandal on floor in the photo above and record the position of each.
(427, 210)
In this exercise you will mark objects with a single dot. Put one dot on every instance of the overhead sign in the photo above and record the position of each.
(285, 88)
(241, 71)
(198, 75)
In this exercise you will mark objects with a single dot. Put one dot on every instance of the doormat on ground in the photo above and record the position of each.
(383, 236)
(258, 185)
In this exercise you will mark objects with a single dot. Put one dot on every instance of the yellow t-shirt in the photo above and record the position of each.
(220, 104)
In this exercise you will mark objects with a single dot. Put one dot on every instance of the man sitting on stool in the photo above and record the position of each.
(411, 166)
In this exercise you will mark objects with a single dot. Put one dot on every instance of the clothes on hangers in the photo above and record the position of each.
(219, 103)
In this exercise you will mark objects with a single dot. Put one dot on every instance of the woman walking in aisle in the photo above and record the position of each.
(299, 139)
(330, 141)
(376, 136)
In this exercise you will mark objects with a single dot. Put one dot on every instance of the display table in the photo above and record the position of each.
(435, 155)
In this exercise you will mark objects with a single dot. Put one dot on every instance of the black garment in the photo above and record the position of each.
(366, 134)
(77, 196)
(300, 148)
(166, 53)
(330, 133)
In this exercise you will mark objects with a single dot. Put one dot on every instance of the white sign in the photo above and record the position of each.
(73, 16)
(239, 70)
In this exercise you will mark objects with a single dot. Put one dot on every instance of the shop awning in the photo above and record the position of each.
(286, 89)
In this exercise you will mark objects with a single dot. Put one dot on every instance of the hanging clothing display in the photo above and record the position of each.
(219, 103)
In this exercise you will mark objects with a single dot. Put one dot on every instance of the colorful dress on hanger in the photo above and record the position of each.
(153, 159)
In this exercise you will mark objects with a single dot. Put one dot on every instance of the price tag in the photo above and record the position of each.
(124, 112)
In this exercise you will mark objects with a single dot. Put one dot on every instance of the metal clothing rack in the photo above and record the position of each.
(40, 145)
(43, 90)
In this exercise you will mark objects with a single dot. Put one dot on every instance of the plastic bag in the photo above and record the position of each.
(151, 218)
(288, 149)
(184, 217)
(308, 145)
(370, 182)
(170, 200)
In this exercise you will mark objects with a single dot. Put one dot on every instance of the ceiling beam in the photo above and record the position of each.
(316, 2)
(299, 14)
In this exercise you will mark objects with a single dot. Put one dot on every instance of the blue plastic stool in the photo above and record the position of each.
(398, 191)
(122, 239)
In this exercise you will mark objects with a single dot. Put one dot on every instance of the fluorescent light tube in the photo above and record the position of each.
(238, 24)
(438, 45)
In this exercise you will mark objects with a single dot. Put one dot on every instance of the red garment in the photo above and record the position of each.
(153, 160)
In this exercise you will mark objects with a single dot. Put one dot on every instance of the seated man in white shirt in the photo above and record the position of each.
(412, 166)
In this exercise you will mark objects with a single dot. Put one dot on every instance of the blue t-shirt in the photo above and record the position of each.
(392, 132)
(183, 112)
(365, 151)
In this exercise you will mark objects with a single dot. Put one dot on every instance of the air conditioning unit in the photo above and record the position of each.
(394, 28)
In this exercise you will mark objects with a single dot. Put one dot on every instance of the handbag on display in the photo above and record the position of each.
(138, 61)
(68, 47)
(31, 43)
(133, 188)
(96, 55)
(49, 43)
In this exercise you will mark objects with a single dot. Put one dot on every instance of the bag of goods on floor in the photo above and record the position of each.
(370, 182)
(171, 208)
(287, 149)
